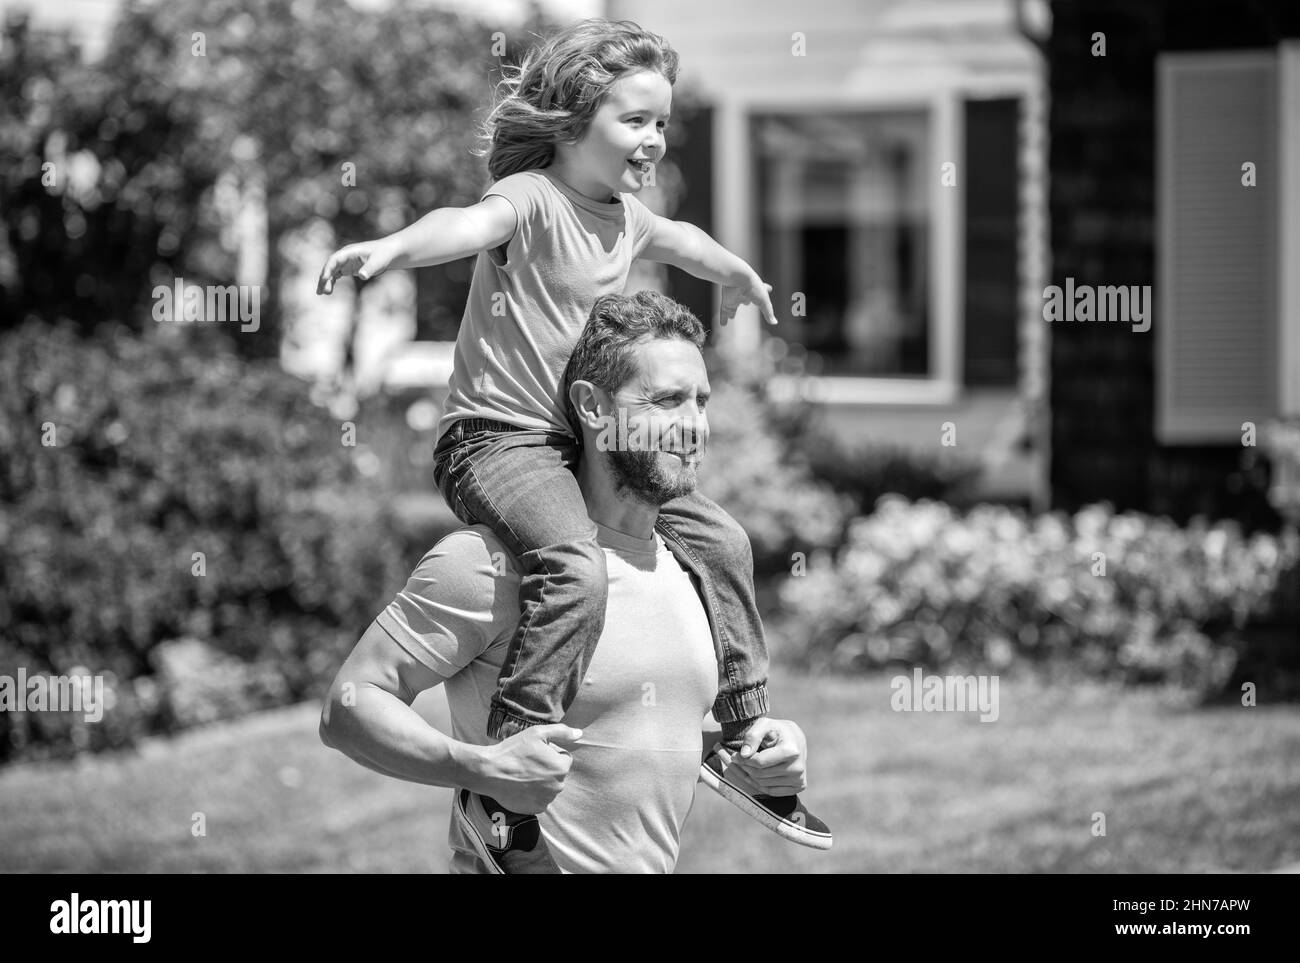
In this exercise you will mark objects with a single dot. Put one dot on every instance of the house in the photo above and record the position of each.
(1174, 136)
(882, 165)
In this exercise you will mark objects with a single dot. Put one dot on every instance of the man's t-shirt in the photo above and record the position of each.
(524, 313)
(650, 683)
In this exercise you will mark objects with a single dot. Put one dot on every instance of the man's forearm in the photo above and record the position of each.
(383, 733)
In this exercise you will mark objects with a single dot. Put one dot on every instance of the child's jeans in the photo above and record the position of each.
(521, 484)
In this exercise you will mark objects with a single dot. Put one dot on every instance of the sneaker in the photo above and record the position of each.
(784, 815)
(509, 844)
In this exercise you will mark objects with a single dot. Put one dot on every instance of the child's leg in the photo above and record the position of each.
(713, 546)
(716, 549)
(520, 484)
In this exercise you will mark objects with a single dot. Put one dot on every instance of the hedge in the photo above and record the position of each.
(1119, 596)
(186, 509)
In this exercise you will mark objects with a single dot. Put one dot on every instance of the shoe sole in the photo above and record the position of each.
(785, 828)
(477, 841)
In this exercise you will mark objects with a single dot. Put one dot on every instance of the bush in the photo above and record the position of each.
(180, 493)
(918, 584)
(866, 474)
(754, 470)
(1281, 442)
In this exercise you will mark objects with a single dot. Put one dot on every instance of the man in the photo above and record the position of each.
(628, 754)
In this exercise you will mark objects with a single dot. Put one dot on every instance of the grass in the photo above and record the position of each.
(1182, 790)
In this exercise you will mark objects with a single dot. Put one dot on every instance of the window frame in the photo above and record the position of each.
(739, 220)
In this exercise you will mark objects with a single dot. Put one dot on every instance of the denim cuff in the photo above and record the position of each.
(502, 723)
(737, 706)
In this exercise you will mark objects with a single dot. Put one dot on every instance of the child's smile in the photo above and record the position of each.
(624, 140)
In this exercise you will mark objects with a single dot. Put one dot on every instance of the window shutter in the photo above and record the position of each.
(1216, 283)
(991, 341)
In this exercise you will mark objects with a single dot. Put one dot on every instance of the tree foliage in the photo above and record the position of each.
(189, 90)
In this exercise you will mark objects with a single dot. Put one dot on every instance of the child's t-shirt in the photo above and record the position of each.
(530, 299)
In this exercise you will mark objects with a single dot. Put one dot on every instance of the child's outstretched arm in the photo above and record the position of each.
(685, 246)
(442, 235)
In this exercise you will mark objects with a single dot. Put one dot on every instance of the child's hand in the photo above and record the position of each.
(366, 260)
(775, 757)
(753, 292)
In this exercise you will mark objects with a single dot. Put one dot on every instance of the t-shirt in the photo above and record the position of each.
(527, 308)
(650, 682)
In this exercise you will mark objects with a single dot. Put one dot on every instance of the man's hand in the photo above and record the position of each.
(366, 260)
(525, 772)
(753, 291)
(774, 757)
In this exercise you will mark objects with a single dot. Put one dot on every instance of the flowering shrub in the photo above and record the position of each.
(1121, 596)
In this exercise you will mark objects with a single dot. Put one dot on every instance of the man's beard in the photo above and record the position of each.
(639, 473)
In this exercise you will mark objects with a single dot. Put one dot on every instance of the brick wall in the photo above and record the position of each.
(1102, 126)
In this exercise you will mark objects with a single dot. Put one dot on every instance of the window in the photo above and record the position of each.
(844, 215)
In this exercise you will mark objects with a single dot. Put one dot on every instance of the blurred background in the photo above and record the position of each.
(208, 514)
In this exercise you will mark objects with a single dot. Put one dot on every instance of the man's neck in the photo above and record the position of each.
(608, 506)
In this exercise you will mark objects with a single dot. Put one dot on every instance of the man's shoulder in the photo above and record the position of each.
(460, 600)
(475, 547)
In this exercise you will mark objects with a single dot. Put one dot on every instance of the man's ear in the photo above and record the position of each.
(588, 401)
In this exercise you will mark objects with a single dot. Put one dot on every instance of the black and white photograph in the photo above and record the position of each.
(741, 437)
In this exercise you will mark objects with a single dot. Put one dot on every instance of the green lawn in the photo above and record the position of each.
(1183, 790)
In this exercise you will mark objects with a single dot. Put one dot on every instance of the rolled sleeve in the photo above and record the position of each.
(461, 598)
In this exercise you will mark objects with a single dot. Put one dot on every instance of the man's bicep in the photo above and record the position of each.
(454, 605)
(381, 661)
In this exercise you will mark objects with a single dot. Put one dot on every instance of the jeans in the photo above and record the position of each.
(521, 483)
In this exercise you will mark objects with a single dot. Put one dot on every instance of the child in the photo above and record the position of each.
(572, 138)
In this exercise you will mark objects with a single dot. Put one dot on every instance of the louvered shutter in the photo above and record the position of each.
(1216, 283)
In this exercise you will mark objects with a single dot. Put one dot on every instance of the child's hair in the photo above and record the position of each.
(551, 98)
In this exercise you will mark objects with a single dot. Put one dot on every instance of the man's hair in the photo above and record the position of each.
(551, 97)
(617, 324)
